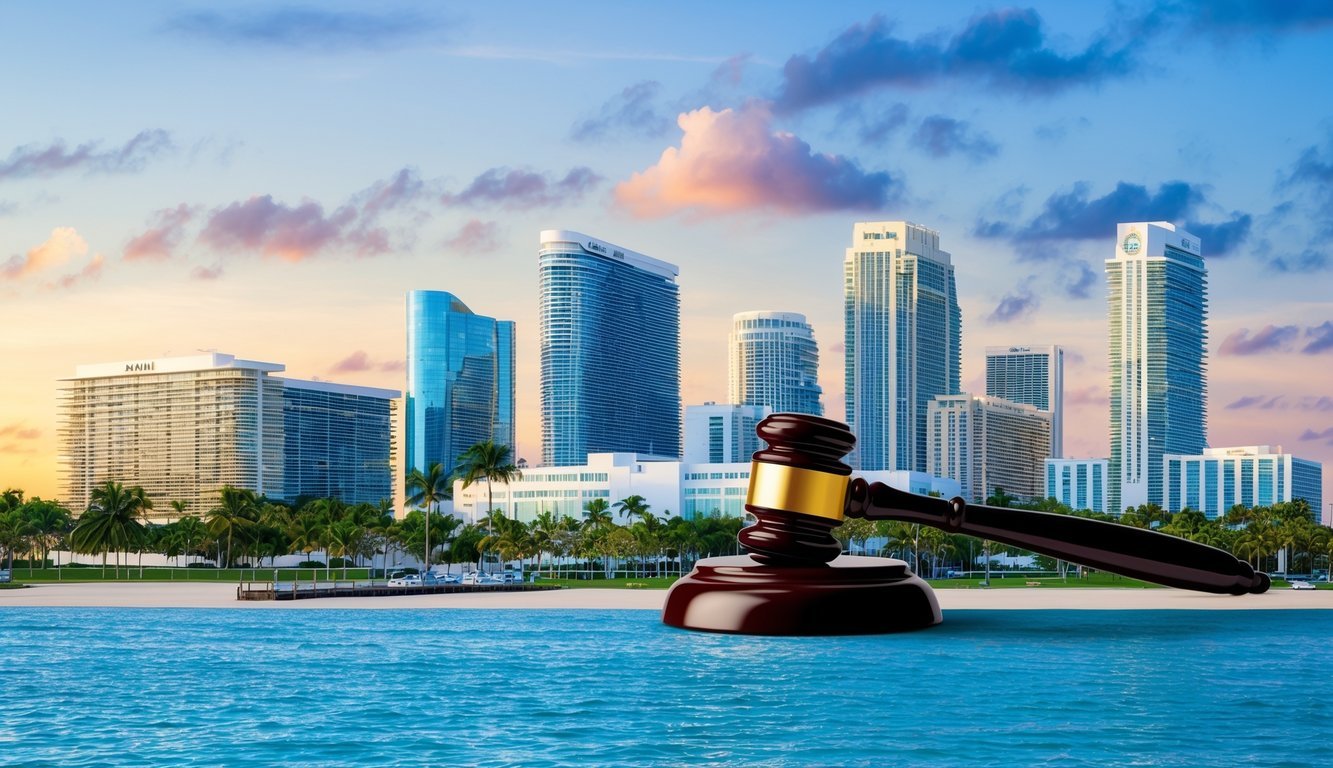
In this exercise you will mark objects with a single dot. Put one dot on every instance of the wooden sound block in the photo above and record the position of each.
(848, 596)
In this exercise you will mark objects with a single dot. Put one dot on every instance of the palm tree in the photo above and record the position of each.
(237, 511)
(344, 540)
(180, 507)
(597, 515)
(191, 532)
(49, 521)
(110, 522)
(632, 506)
(489, 461)
(428, 490)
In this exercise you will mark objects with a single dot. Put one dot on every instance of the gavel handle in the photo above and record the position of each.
(1122, 549)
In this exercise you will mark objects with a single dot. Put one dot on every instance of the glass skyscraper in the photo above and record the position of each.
(774, 362)
(334, 442)
(610, 347)
(1157, 312)
(903, 340)
(1034, 375)
(460, 380)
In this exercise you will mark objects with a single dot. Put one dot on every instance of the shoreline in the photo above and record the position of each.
(201, 595)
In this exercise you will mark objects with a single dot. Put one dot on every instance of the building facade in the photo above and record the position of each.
(334, 437)
(184, 427)
(722, 434)
(987, 443)
(1218, 479)
(686, 489)
(774, 362)
(1157, 316)
(1032, 374)
(460, 380)
(903, 340)
(1078, 483)
(610, 350)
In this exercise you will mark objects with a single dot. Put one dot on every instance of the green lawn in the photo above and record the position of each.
(233, 575)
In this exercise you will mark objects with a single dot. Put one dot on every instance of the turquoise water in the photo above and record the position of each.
(95, 687)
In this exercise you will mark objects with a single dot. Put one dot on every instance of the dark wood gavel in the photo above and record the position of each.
(800, 491)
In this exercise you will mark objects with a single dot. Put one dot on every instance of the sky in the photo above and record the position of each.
(270, 180)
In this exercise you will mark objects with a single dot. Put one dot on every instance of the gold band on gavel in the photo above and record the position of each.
(803, 491)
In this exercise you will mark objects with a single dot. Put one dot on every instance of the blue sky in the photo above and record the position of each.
(269, 180)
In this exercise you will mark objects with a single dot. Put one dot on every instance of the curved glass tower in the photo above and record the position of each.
(775, 362)
(460, 380)
(610, 346)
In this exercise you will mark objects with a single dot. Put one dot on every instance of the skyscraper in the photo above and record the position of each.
(903, 340)
(610, 347)
(988, 443)
(722, 434)
(184, 427)
(1034, 375)
(774, 362)
(460, 380)
(1157, 312)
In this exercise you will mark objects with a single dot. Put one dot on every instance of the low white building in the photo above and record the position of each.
(671, 488)
(1078, 483)
(722, 433)
(1252, 476)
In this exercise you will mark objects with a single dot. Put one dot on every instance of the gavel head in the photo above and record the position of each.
(798, 490)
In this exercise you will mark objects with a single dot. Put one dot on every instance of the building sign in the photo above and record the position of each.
(1132, 244)
(596, 247)
(139, 367)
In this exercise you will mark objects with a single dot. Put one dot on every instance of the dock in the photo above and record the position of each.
(303, 590)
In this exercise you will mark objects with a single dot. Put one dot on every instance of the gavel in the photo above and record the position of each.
(800, 490)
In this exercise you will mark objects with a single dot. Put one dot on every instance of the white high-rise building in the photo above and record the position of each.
(903, 340)
(986, 443)
(774, 362)
(1157, 313)
(722, 433)
(1032, 374)
(183, 427)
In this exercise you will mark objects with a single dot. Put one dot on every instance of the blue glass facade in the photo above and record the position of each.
(610, 347)
(903, 341)
(337, 442)
(460, 380)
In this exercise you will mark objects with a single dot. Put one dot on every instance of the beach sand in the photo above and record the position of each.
(204, 595)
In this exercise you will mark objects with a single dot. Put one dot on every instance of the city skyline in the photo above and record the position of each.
(321, 173)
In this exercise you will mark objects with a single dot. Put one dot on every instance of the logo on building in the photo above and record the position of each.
(137, 367)
(1131, 244)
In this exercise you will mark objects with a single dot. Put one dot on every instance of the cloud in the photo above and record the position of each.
(206, 273)
(1310, 434)
(1015, 306)
(1308, 260)
(1245, 17)
(476, 237)
(874, 128)
(1270, 338)
(159, 241)
(1004, 50)
(64, 244)
(402, 189)
(521, 190)
(1078, 280)
(1321, 404)
(942, 136)
(289, 232)
(1090, 395)
(1262, 402)
(32, 161)
(1323, 339)
(91, 271)
(732, 160)
(305, 28)
(17, 431)
(1074, 215)
(359, 361)
(633, 112)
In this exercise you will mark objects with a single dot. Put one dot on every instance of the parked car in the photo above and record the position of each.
(1302, 585)
(448, 578)
(406, 580)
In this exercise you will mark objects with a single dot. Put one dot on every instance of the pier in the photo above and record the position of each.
(302, 590)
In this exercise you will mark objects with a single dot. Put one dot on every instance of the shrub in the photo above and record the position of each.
(310, 564)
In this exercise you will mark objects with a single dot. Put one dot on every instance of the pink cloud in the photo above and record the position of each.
(207, 273)
(63, 244)
(521, 190)
(91, 271)
(476, 236)
(393, 366)
(353, 363)
(733, 160)
(1093, 395)
(18, 431)
(160, 241)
